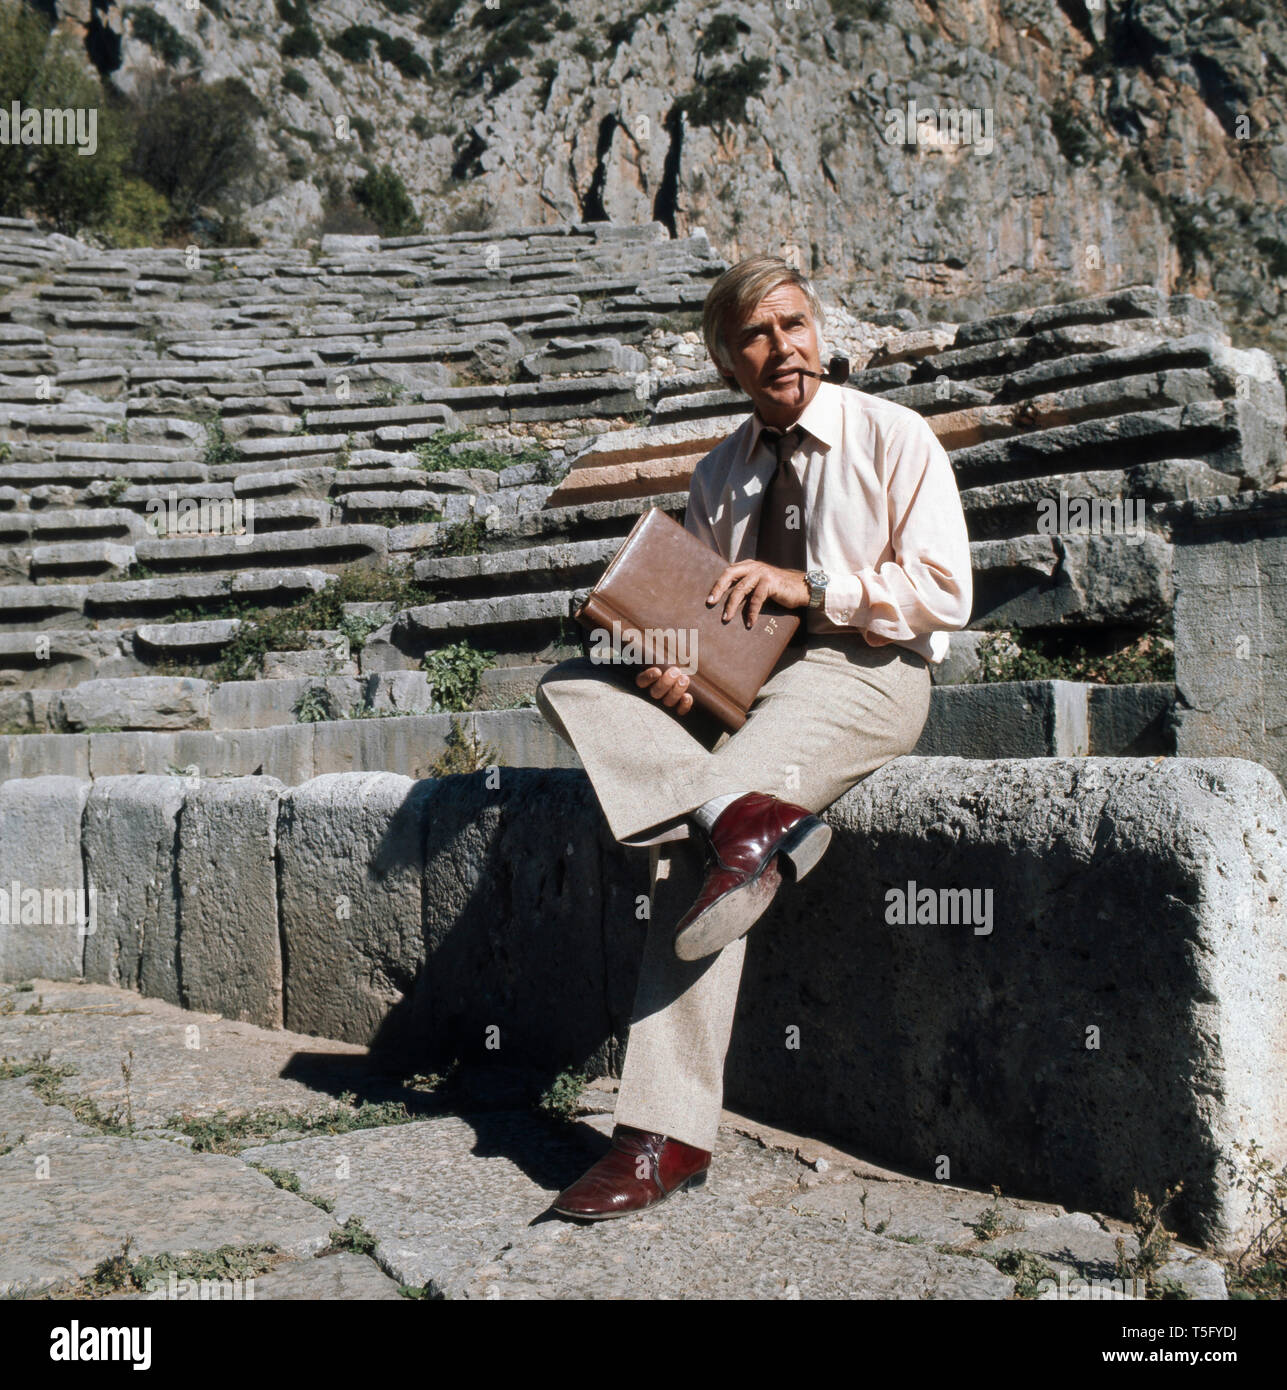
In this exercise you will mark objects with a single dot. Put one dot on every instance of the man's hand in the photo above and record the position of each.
(758, 582)
(669, 686)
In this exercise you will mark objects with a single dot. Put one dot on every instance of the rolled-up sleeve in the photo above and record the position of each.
(927, 586)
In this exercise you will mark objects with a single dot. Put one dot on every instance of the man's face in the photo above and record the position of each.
(777, 336)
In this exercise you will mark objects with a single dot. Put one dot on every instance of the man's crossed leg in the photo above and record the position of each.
(821, 722)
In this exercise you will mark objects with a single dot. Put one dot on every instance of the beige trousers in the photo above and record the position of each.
(832, 712)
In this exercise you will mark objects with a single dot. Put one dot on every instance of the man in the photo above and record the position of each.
(844, 507)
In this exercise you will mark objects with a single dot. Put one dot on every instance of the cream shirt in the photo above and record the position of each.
(882, 517)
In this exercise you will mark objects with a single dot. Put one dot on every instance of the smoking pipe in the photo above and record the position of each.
(837, 371)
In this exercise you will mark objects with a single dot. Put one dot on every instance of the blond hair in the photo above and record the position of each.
(736, 293)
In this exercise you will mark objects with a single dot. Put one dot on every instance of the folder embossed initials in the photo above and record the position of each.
(649, 609)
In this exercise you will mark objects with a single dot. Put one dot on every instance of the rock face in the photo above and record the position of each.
(1012, 143)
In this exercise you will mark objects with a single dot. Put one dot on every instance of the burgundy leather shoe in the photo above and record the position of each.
(754, 841)
(639, 1170)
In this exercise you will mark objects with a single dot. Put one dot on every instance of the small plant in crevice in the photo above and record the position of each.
(455, 673)
(464, 754)
(560, 1100)
(314, 706)
(1153, 1247)
(219, 448)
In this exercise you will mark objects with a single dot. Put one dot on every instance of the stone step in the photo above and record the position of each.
(1134, 301)
(1026, 581)
(87, 560)
(321, 547)
(565, 566)
(1030, 719)
(70, 524)
(1071, 580)
(1169, 354)
(30, 613)
(60, 658)
(370, 418)
(990, 364)
(1121, 395)
(642, 462)
(1013, 509)
(624, 324)
(1231, 435)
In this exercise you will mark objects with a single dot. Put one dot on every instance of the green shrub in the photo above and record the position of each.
(162, 37)
(455, 672)
(385, 198)
(462, 538)
(301, 43)
(1045, 656)
(1275, 252)
(1075, 142)
(435, 453)
(219, 448)
(439, 17)
(723, 96)
(547, 70)
(560, 1101)
(354, 43)
(138, 214)
(294, 12)
(295, 81)
(57, 181)
(721, 34)
(402, 54)
(464, 753)
(23, 38)
(264, 630)
(504, 78)
(848, 12)
(195, 140)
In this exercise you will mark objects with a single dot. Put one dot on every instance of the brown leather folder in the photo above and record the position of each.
(649, 609)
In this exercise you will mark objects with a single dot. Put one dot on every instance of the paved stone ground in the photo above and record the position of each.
(452, 1202)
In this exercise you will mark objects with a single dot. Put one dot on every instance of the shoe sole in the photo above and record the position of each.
(804, 846)
(733, 915)
(697, 1180)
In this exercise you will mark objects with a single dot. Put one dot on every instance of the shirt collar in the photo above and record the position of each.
(822, 417)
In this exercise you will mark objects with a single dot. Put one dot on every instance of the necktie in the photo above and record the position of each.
(780, 540)
(781, 535)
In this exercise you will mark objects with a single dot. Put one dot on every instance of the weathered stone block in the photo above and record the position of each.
(129, 847)
(1115, 1017)
(140, 702)
(229, 947)
(351, 853)
(43, 936)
